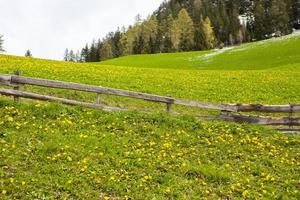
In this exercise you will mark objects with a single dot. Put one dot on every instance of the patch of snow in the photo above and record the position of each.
(263, 43)
(216, 52)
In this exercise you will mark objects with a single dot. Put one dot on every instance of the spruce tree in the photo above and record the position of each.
(78, 57)
(259, 19)
(116, 43)
(85, 54)
(294, 11)
(279, 18)
(187, 31)
(197, 12)
(72, 56)
(1, 43)
(28, 54)
(199, 39)
(66, 55)
(208, 33)
(167, 35)
(93, 52)
(138, 45)
(106, 51)
(235, 25)
(182, 34)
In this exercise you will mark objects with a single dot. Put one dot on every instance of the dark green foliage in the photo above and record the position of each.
(1, 44)
(138, 45)
(280, 18)
(93, 56)
(28, 53)
(85, 53)
(262, 19)
(294, 11)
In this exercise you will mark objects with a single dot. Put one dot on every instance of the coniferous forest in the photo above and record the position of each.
(192, 25)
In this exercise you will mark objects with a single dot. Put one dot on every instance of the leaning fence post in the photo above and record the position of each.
(16, 86)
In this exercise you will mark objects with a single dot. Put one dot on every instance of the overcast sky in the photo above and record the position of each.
(48, 27)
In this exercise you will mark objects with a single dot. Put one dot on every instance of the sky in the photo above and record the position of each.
(48, 27)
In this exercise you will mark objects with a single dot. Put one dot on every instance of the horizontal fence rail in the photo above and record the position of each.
(19, 80)
(227, 110)
(29, 95)
(256, 119)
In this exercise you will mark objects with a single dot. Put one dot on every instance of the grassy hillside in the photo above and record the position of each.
(50, 151)
(272, 53)
(273, 79)
(56, 152)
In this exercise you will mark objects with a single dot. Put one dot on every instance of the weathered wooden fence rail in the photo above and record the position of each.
(17, 81)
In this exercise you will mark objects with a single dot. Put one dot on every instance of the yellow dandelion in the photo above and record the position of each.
(168, 190)
(245, 193)
(11, 180)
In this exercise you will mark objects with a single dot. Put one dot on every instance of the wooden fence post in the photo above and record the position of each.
(169, 105)
(98, 98)
(16, 87)
(290, 116)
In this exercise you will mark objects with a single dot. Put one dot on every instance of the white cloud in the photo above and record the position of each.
(47, 27)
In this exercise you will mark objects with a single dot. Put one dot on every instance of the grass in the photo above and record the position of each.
(278, 85)
(273, 53)
(50, 151)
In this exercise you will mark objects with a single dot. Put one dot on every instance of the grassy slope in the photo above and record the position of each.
(270, 80)
(92, 154)
(267, 54)
(56, 152)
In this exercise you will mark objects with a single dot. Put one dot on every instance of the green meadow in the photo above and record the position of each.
(268, 54)
(51, 151)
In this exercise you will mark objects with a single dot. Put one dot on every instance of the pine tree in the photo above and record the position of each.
(222, 24)
(149, 30)
(124, 45)
(138, 45)
(72, 56)
(129, 38)
(106, 51)
(167, 26)
(208, 34)
(66, 55)
(78, 57)
(280, 18)
(1, 44)
(259, 18)
(28, 54)
(116, 43)
(235, 25)
(93, 52)
(187, 31)
(199, 36)
(182, 34)
(198, 10)
(294, 11)
(85, 54)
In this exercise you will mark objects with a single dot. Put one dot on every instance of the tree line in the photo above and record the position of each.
(191, 25)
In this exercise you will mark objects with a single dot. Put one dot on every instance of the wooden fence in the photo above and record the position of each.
(16, 81)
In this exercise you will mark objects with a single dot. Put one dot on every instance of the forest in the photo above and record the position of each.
(192, 25)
